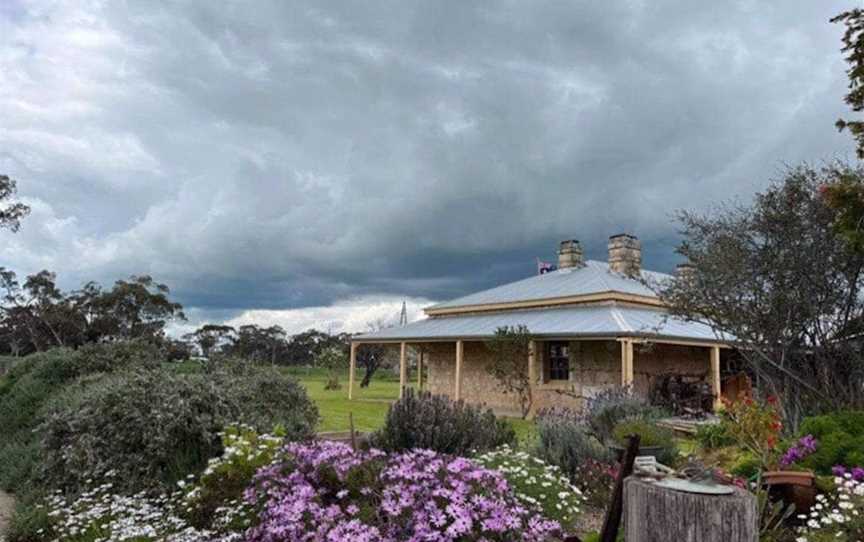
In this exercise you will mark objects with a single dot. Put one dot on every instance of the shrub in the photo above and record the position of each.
(605, 410)
(565, 441)
(597, 480)
(712, 436)
(650, 435)
(841, 440)
(334, 360)
(35, 380)
(324, 491)
(755, 427)
(220, 487)
(155, 427)
(434, 422)
(746, 466)
(538, 485)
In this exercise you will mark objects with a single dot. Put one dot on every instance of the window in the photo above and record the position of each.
(558, 356)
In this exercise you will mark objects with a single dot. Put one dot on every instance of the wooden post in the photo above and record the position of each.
(532, 363)
(716, 388)
(460, 349)
(420, 369)
(626, 362)
(613, 516)
(352, 367)
(403, 368)
(658, 514)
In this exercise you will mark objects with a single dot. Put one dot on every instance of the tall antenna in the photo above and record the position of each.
(403, 318)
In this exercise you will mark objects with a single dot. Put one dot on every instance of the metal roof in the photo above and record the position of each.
(594, 277)
(605, 320)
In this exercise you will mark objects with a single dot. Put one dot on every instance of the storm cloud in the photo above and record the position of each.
(290, 156)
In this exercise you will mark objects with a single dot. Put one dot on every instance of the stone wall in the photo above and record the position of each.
(594, 366)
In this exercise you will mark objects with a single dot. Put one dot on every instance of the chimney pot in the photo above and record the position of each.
(625, 254)
(570, 254)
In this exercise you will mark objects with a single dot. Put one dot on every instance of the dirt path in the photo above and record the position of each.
(7, 506)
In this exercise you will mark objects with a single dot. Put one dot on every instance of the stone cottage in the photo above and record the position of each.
(595, 325)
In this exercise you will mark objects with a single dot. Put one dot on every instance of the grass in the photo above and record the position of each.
(370, 404)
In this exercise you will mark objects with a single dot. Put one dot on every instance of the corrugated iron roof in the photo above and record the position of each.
(594, 277)
(606, 320)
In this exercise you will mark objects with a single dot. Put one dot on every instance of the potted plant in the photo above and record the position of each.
(756, 427)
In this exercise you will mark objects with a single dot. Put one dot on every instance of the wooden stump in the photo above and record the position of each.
(657, 514)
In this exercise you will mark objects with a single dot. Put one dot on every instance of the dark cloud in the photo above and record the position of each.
(285, 154)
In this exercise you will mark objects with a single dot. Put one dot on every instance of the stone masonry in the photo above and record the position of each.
(594, 366)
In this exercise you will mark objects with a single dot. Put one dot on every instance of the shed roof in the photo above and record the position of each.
(586, 321)
(593, 278)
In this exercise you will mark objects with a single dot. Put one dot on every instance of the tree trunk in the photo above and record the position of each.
(657, 514)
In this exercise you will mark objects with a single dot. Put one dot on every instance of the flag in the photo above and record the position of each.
(545, 267)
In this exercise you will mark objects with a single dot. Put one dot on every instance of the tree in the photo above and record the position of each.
(209, 337)
(853, 46)
(779, 279)
(135, 308)
(509, 364)
(334, 360)
(13, 212)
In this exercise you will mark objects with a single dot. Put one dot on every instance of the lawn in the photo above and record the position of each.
(370, 404)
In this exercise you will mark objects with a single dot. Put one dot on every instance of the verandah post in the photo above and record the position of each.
(716, 387)
(459, 354)
(626, 362)
(352, 366)
(403, 368)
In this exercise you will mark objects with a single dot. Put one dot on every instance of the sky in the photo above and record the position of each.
(314, 164)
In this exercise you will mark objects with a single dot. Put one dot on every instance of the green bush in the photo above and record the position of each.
(746, 466)
(434, 422)
(154, 427)
(30, 522)
(222, 484)
(565, 441)
(35, 380)
(841, 440)
(605, 410)
(712, 436)
(651, 435)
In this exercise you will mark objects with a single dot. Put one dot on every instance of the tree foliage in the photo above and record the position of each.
(779, 278)
(12, 213)
(509, 364)
(37, 315)
(853, 46)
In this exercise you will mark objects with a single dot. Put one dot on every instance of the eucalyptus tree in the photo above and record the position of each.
(779, 279)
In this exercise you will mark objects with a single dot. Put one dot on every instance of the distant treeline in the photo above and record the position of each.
(36, 315)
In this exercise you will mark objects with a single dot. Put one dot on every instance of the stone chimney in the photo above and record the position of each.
(685, 271)
(570, 254)
(625, 254)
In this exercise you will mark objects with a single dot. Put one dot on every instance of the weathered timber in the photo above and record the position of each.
(658, 514)
(613, 516)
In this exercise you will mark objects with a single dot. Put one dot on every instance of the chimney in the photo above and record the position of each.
(685, 271)
(570, 254)
(625, 254)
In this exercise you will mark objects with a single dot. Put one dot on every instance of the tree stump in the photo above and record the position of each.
(658, 514)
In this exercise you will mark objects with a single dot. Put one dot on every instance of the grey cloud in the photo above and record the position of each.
(283, 155)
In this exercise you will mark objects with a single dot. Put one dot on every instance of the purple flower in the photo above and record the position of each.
(326, 492)
(805, 446)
